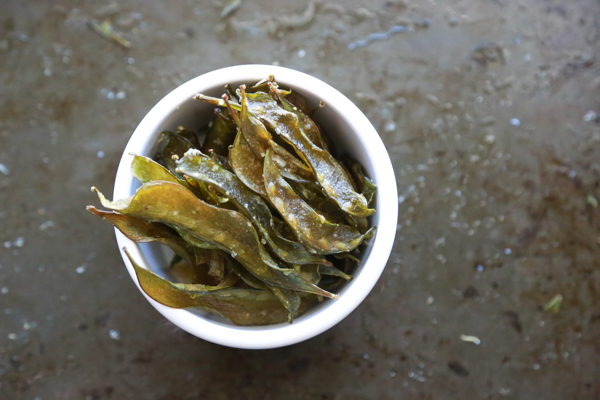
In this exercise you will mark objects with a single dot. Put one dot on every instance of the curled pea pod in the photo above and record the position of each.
(250, 204)
(310, 128)
(365, 185)
(240, 306)
(311, 228)
(290, 299)
(329, 173)
(246, 165)
(189, 135)
(173, 204)
(146, 170)
(221, 134)
(169, 146)
(142, 231)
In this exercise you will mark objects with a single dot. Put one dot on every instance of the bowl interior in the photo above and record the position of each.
(195, 114)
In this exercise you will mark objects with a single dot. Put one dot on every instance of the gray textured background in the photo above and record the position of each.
(484, 108)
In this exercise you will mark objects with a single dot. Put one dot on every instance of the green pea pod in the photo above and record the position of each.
(142, 231)
(240, 306)
(311, 228)
(250, 204)
(173, 204)
(221, 134)
(247, 166)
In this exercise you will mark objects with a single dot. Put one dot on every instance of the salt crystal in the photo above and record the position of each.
(515, 122)
(4, 290)
(19, 242)
(301, 53)
(114, 334)
(4, 169)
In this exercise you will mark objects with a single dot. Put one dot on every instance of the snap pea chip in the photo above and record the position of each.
(365, 185)
(146, 170)
(223, 161)
(240, 306)
(309, 272)
(221, 134)
(246, 165)
(311, 228)
(257, 136)
(290, 299)
(189, 135)
(347, 256)
(333, 271)
(310, 128)
(170, 144)
(290, 166)
(314, 197)
(142, 231)
(173, 204)
(328, 171)
(250, 204)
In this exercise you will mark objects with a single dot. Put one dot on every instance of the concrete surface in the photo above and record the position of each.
(488, 111)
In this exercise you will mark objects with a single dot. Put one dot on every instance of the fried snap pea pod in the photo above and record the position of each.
(309, 127)
(311, 228)
(240, 306)
(173, 204)
(146, 170)
(189, 135)
(221, 134)
(246, 166)
(142, 231)
(328, 171)
(170, 144)
(250, 204)
(290, 299)
(365, 185)
(257, 136)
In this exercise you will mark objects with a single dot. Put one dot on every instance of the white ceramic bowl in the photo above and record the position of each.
(351, 132)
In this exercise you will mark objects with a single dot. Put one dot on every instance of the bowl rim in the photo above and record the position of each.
(272, 336)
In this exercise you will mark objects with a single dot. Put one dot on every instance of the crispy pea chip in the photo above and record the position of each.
(291, 300)
(221, 134)
(190, 135)
(328, 171)
(330, 175)
(257, 136)
(250, 204)
(168, 145)
(365, 185)
(142, 231)
(146, 170)
(173, 204)
(310, 128)
(240, 306)
(246, 165)
(333, 271)
(311, 228)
